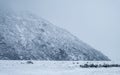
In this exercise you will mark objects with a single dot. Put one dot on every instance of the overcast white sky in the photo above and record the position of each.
(96, 22)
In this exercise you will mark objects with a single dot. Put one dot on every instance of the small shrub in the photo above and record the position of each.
(29, 62)
(22, 62)
(73, 63)
(77, 62)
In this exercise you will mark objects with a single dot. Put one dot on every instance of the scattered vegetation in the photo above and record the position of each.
(99, 65)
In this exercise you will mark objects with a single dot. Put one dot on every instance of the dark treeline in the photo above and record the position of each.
(99, 65)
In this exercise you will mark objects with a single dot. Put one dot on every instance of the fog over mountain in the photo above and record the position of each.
(25, 36)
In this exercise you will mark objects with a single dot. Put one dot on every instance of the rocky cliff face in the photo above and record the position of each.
(25, 36)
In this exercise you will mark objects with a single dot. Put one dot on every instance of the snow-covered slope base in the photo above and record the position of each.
(53, 68)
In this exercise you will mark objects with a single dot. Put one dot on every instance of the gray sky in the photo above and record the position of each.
(96, 22)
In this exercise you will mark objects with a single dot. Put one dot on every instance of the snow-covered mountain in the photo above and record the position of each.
(26, 36)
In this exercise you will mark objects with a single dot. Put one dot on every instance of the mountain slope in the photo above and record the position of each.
(25, 36)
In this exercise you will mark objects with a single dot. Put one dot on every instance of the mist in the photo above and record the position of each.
(96, 22)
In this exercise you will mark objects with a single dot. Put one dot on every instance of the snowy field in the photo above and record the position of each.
(54, 68)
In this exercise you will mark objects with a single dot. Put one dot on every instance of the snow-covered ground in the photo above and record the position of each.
(53, 68)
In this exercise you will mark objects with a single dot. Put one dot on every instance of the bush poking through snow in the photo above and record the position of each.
(29, 62)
